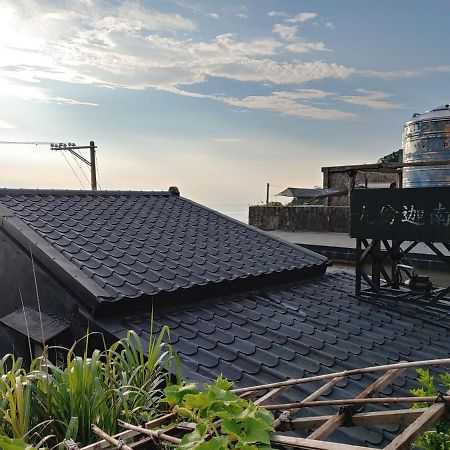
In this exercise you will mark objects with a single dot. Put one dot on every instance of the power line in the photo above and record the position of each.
(76, 175)
(76, 154)
(81, 169)
(96, 168)
(25, 142)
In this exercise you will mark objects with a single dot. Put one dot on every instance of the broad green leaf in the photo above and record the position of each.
(255, 431)
(216, 443)
(233, 428)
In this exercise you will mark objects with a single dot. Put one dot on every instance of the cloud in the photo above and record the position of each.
(330, 25)
(281, 73)
(278, 14)
(391, 74)
(214, 15)
(302, 17)
(286, 32)
(34, 92)
(314, 103)
(128, 45)
(290, 104)
(6, 125)
(371, 99)
(296, 44)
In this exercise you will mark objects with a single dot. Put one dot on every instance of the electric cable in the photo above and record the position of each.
(76, 175)
(98, 176)
(81, 169)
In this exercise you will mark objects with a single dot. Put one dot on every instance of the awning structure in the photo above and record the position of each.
(307, 193)
(31, 323)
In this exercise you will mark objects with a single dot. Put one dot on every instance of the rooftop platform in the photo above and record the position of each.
(341, 247)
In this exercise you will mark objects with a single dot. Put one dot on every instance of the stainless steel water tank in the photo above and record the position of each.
(426, 137)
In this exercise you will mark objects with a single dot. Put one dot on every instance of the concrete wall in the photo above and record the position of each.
(300, 218)
(335, 177)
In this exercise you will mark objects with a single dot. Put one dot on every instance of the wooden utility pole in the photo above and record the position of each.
(267, 194)
(92, 163)
(93, 166)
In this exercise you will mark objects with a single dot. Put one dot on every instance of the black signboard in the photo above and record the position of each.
(419, 214)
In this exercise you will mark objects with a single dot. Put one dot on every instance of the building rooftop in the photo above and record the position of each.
(125, 245)
(296, 330)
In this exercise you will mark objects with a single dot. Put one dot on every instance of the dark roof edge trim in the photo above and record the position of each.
(86, 290)
(67, 192)
(268, 235)
(199, 293)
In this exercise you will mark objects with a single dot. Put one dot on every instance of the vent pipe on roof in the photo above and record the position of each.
(174, 191)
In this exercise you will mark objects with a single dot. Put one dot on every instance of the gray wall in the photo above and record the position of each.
(300, 218)
(16, 272)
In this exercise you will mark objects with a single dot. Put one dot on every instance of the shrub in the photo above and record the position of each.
(439, 438)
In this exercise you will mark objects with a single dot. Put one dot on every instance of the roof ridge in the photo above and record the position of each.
(68, 192)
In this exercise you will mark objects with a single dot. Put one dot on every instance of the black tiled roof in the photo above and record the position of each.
(300, 329)
(144, 243)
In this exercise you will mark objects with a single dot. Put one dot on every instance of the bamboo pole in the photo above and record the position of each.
(116, 442)
(128, 434)
(155, 434)
(356, 401)
(338, 419)
(310, 398)
(423, 423)
(311, 444)
(362, 419)
(345, 373)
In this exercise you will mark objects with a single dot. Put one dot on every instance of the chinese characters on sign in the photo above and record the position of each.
(439, 216)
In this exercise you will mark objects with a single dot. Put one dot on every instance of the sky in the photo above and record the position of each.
(215, 97)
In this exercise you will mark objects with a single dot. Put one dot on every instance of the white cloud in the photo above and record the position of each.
(281, 73)
(6, 125)
(306, 47)
(391, 74)
(290, 104)
(371, 99)
(277, 14)
(214, 15)
(286, 32)
(130, 46)
(302, 17)
(330, 25)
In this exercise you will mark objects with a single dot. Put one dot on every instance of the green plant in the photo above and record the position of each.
(123, 381)
(223, 420)
(439, 438)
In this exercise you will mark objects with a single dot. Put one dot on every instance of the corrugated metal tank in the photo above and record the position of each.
(426, 137)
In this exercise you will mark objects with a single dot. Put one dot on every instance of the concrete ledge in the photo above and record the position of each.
(300, 218)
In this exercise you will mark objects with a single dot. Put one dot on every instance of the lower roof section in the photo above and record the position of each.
(296, 330)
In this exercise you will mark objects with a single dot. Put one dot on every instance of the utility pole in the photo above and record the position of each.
(71, 147)
(92, 148)
(267, 194)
